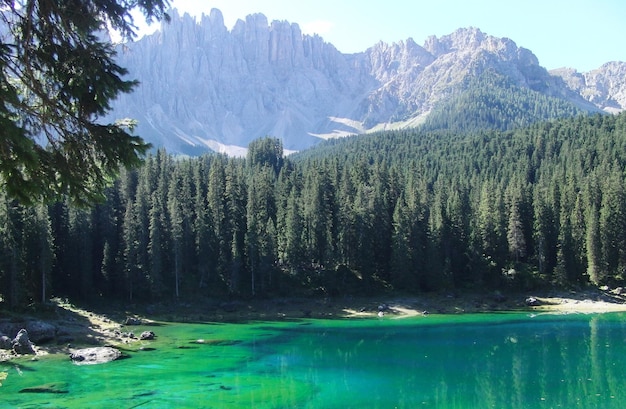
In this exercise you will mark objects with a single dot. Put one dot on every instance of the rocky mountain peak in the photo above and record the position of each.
(390, 60)
(605, 87)
(471, 41)
(461, 39)
(215, 18)
(213, 23)
(206, 87)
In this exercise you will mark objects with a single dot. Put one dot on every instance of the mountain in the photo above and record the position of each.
(206, 87)
(605, 87)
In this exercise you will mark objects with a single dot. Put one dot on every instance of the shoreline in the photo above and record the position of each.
(78, 327)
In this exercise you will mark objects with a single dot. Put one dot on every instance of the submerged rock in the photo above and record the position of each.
(47, 388)
(96, 355)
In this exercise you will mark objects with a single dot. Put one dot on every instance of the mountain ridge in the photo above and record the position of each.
(204, 87)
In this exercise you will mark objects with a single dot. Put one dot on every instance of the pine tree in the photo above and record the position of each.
(136, 239)
(545, 236)
(515, 233)
(383, 206)
(204, 246)
(488, 237)
(176, 227)
(564, 271)
(594, 258)
(221, 205)
(613, 224)
(260, 212)
(402, 251)
(593, 245)
(152, 198)
(346, 234)
(294, 253)
(252, 235)
(365, 231)
(81, 275)
(265, 152)
(108, 218)
(318, 195)
(11, 290)
(63, 262)
(37, 252)
(269, 255)
(158, 245)
(235, 196)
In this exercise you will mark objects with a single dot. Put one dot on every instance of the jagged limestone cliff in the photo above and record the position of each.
(206, 87)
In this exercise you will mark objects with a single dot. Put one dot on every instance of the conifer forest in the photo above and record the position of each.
(407, 211)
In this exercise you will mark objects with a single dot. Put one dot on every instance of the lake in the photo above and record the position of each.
(504, 360)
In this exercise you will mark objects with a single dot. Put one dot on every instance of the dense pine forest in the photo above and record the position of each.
(492, 101)
(408, 211)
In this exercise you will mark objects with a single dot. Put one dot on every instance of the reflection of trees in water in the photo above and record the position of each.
(605, 346)
(542, 362)
(570, 363)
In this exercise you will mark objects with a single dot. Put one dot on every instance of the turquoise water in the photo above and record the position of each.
(510, 360)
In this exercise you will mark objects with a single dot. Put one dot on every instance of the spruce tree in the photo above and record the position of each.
(37, 252)
(403, 274)
(11, 279)
(613, 223)
(515, 233)
(294, 246)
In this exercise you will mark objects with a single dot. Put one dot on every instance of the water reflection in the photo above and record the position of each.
(471, 361)
(565, 361)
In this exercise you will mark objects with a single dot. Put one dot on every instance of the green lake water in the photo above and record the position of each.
(509, 360)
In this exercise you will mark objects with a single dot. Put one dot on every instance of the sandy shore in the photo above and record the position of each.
(82, 327)
(584, 302)
(571, 305)
(103, 328)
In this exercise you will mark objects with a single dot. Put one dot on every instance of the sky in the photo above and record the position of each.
(579, 34)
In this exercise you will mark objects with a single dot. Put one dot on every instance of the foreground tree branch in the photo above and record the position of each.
(57, 80)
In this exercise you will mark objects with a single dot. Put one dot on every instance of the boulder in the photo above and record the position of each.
(133, 321)
(5, 342)
(11, 329)
(96, 355)
(40, 331)
(22, 345)
(130, 335)
(147, 336)
(532, 302)
(384, 308)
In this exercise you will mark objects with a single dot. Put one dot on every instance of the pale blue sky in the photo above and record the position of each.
(581, 34)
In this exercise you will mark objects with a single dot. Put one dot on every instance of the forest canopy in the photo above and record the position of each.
(407, 211)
